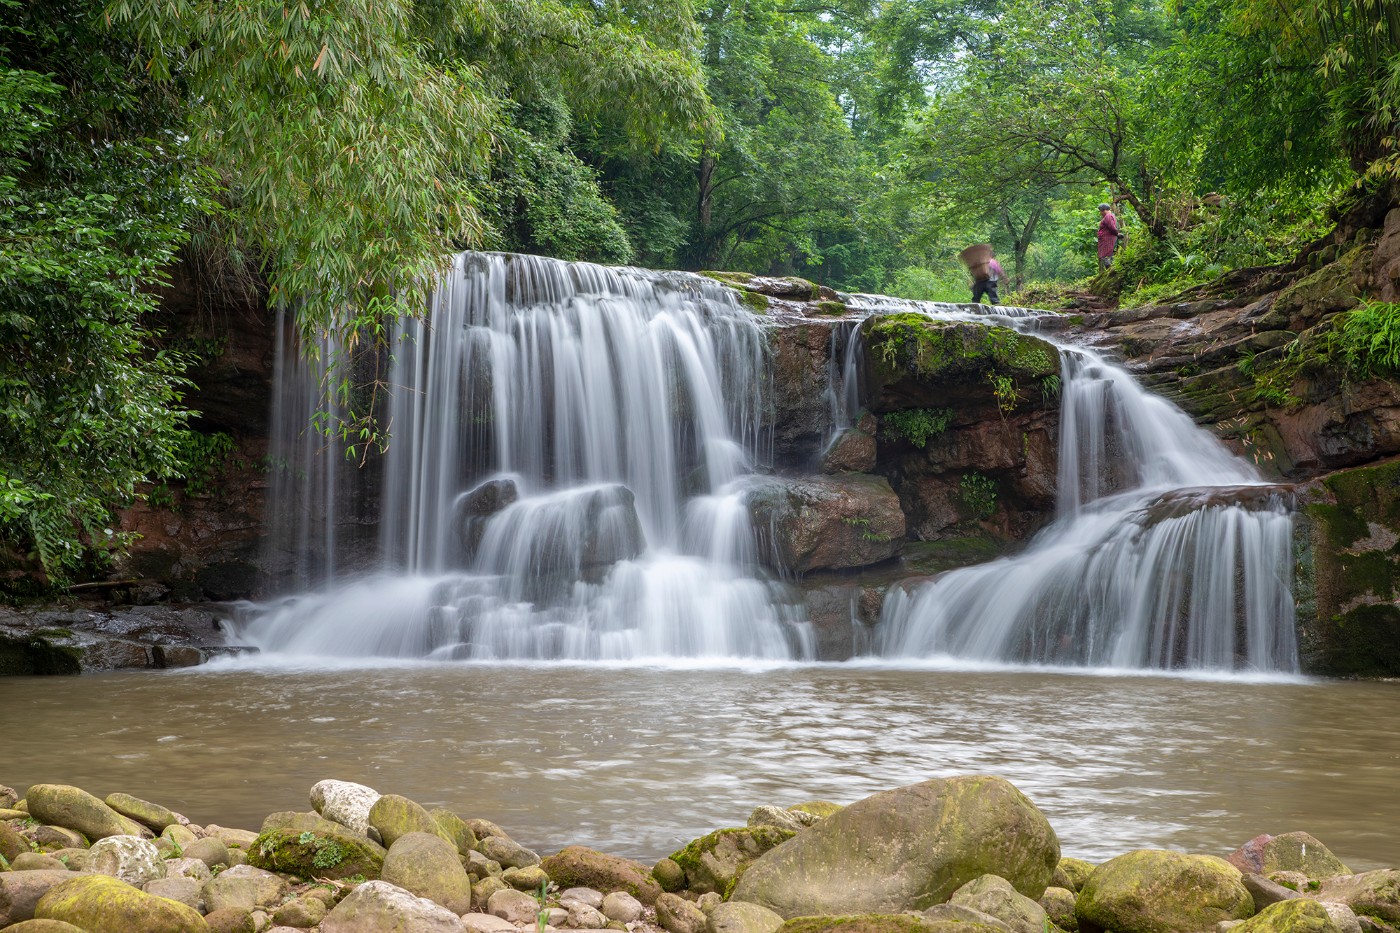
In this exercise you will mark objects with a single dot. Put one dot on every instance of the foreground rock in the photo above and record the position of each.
(907, 849)
(1153, 891)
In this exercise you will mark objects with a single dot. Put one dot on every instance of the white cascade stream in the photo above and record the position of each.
(1167, 552)
(563, 479)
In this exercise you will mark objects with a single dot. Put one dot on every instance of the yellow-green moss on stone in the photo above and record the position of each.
(1156, 891)
(102, 904)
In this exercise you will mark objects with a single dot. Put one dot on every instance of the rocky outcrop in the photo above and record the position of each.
(1348, 578)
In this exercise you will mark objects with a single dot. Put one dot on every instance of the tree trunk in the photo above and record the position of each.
(706, 249)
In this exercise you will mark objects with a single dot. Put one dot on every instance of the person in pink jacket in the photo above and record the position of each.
(1108, 236)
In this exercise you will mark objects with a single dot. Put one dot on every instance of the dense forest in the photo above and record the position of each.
(332, 155)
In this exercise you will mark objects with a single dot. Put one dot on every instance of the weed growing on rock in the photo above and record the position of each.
(1367, 340)
(916, 425)
(979, 492)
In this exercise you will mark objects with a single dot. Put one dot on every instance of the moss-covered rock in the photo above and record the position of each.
(429, 866)
(582, 867)
(1370, 894)
(1155, 891)
(76, 809)
(36, 655)
(916, 360)
(102, 904)
(1071, 873)
(1058, 904)
(456, 829)
(305, 845)
(43, 926)
(1296, 851)
(818, 808)
(395, 816)
(715, 861)
(1300, 915)
(907, 849)
(152, 815)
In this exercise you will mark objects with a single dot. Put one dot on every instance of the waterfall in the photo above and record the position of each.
(563, 480)
(567, 473)
(1167, 551)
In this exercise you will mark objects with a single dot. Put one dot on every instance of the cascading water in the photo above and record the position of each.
(1167, 551)
(563, 480)
(566, 480)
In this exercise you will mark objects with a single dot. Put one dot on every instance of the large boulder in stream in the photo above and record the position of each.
(826, 522)
(1156, 891)
(907, 849)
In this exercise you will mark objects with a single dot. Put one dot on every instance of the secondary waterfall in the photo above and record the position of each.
(1167, 551)
(562, 480)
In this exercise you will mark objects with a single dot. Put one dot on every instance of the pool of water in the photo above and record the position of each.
(637, 760)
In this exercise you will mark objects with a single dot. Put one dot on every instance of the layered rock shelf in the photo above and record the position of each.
(968, 854)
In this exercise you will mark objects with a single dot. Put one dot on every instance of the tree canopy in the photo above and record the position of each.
(337, 153)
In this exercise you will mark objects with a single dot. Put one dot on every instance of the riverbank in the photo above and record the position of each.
(970, 850)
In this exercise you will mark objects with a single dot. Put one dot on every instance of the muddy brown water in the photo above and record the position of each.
(638, 761)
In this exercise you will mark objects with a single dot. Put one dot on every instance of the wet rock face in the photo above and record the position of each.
(801, 359)
(1348, 578)
(826, 522)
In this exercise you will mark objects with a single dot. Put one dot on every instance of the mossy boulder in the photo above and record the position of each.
(715, 861)
(818, 808)
(74, 808)
(1155, 891)
(12, 842)
(914, 360)
(395, 816)
(429, 866)
(582, 867)
(1370, 894)
(305, 845)
(102, 904)
(907, 849)
(456, 829)
(1300, 915)
(1071, 873)
(1297, 851)
(148, 814)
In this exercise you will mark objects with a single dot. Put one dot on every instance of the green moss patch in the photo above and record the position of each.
(309, 854)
